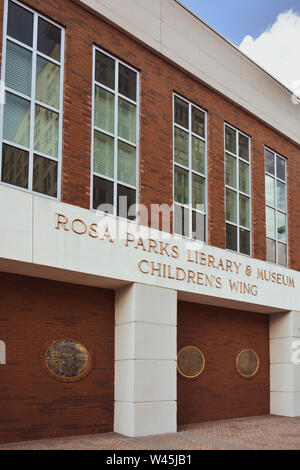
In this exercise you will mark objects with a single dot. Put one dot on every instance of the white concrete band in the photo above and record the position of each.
(145, 361)
(284, 372)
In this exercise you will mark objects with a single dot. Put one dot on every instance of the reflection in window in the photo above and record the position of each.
(276, 208)
(45, 176)
(46, 131)
(20, 23)
(16, 124)
(15, 165)
(36, 138)
(49, 39)
(47, 82)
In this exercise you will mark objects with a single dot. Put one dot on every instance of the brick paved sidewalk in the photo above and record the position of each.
(263, 432)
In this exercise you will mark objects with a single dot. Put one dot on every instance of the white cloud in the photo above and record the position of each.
(277, 50)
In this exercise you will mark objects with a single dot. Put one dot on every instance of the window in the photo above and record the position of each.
(237, 191)
(190, 189)
(115, 136)
(276, 208)
(32, 116)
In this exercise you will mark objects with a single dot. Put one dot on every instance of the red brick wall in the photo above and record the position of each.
(220, 392)
(158, 81)
(33, 404)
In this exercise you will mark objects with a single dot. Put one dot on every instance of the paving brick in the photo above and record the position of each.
(256, 433)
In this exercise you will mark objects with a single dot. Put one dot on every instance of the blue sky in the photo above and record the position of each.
(234, 19)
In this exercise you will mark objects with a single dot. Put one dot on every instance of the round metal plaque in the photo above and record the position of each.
(247, 363)
(190, 362)
(67, 359)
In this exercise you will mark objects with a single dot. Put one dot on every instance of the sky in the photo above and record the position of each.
(268, 31)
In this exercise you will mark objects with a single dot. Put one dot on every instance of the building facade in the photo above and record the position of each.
(149, 254)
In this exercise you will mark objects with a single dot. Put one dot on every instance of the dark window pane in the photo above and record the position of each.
(231, 237)
(281, 196)
(231, 206)
(126, 202)
(271, 250)
(282, 254)
(181, 221)
(280, 168)
(270, 162)
(244, 242)
(230, 139)
(198, 227)
(198, 122)
(15, 166)
(198, 192)
(103, 195)
(49, 39)
(244, 147)
(45, 176)
(181, 113)
(281, 227)
(105, 70)
(20, 23)
(127, 82)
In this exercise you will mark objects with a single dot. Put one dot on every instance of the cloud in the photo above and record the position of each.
(277, 50)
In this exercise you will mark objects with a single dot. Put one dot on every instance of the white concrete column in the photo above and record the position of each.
(284, 373)
(145, 361)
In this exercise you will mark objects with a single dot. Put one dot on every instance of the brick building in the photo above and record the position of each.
(149, 224)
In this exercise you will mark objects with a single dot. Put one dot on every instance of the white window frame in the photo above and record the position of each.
(275, 208)
(189, 169)
(237, 189)
(33, 100)
(115, 135)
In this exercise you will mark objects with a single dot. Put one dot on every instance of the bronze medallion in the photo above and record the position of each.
(67, 358)
(247, 363)
(190, 362)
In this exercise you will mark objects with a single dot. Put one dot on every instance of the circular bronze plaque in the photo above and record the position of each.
(247, 363)
(67, 358)
(190, 362)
